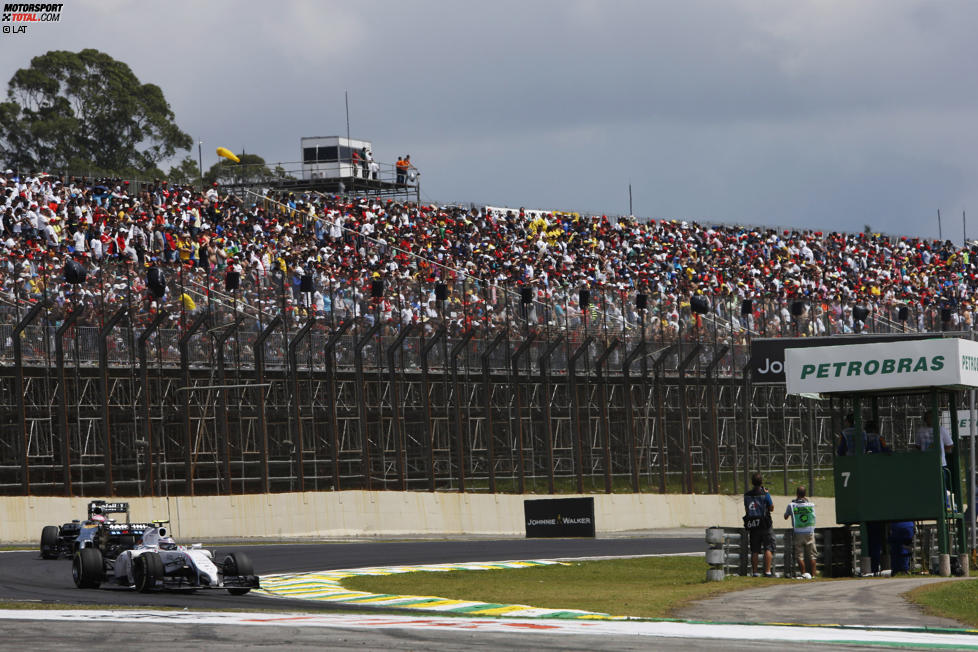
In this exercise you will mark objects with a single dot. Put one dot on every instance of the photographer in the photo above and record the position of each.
(759, 524)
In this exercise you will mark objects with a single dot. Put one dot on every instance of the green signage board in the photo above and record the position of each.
(901, 486)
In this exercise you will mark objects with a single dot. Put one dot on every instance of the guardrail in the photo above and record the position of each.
(838, 553)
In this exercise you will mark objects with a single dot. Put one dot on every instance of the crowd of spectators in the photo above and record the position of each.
(500, 267)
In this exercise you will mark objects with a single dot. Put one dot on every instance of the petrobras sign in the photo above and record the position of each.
(964, 421)
(882, 366)
(766, 363)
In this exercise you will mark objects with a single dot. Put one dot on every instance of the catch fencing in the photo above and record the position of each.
(241, 401)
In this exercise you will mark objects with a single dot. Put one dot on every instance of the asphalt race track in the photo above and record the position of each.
(259, 622)
(25, 576)
(40, 634)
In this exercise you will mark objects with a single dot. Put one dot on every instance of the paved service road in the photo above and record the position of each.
(25, 576)
(867, 601)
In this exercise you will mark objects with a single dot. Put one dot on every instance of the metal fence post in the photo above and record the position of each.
(657, 365)
(103, 363)
(221, 335)
(457, 348)
(59, 357)
(425, 389)
(487, 386)
(544, 365)
(147, 403)
(683, 425)
(523, 348)
(605, 417)
(259, 347)
(576, 411)
(396, 407)
(294, 364)
(19, 390)
(184, 347)
(711, 380)
(362, 405)
(329, 351)
(630, 418)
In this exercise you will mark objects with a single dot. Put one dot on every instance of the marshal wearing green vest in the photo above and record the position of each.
(802, 515)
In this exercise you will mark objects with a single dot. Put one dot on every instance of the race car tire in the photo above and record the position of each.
(49, 542)
(238, 563)
(87, 568)
(147, 568)
(127, 541)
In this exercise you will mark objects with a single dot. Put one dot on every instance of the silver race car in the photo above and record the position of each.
(157, 562)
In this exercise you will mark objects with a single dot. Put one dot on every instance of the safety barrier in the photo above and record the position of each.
(729, 553)
(838, 548)
(365, 514)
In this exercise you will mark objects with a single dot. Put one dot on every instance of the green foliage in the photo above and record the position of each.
(185, 172)
(85, 110)
(953, 599)
(251, 167)
(281, 173)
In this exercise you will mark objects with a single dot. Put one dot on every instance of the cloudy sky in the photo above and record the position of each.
(825, 114)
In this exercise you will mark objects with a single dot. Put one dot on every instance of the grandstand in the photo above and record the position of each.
(298, 339)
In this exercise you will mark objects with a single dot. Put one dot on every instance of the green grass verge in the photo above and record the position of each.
(648, 587)
(957, 599)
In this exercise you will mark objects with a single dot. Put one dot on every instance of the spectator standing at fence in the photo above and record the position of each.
(401, 168)
(365, 162)
(802, 515)
(758, 506)
(410, 170)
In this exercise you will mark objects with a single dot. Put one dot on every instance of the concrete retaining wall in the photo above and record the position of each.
(381, 514)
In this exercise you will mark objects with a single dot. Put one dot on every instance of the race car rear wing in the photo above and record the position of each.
(102, 507)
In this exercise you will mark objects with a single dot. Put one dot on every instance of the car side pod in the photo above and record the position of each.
(87, 568)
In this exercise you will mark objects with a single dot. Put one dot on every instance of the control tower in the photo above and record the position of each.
(336, 165)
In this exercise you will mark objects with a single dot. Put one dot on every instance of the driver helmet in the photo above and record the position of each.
(167, 543)
(98, 517)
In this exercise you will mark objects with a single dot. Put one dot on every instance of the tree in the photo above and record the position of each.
(87, 111)
(282, 174)
(185, 172)
(251, 168)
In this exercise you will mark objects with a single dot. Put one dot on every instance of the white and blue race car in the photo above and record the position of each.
(157, 562)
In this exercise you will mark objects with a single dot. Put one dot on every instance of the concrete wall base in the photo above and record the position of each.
(346, 514)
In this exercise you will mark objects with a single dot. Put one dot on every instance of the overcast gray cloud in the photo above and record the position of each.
(829, 114)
